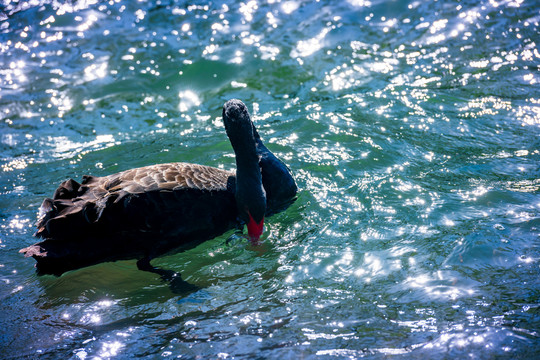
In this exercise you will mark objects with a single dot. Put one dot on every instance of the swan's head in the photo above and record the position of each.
(237, 122)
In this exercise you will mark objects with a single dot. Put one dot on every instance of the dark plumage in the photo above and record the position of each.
(143, 213)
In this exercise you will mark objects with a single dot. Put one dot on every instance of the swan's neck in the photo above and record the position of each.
(250, 195)
(248, 172)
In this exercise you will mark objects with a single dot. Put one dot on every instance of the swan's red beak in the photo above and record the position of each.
(255, 230)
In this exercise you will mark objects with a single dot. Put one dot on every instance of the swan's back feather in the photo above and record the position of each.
(173, 176)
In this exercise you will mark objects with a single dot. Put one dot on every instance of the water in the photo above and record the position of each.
(413, 132)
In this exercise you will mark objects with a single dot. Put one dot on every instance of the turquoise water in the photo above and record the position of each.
(412, 129)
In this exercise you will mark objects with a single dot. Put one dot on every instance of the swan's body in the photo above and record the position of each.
(145, 212)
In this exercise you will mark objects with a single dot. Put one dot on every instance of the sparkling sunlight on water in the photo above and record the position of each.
(413, 132)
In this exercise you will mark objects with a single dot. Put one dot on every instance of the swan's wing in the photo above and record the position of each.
(133, 213)
(76, 206)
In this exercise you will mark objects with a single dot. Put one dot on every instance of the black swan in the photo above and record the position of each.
(146, 212)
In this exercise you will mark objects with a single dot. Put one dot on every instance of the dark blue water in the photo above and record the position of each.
(413, 131)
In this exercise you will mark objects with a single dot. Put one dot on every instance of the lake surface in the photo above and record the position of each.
(412, 129)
